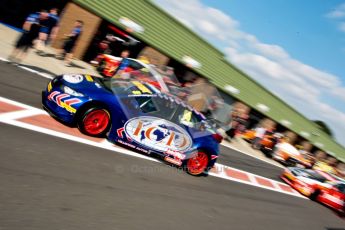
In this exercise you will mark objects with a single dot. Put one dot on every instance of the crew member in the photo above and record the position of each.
(71, 40)
(31, 27)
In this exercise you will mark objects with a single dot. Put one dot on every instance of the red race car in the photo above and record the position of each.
(333, 196)
(107, 64)
(317, 185)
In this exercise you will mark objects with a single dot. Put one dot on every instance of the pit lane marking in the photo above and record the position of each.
(20, 114)
(42, 74)
(45, 75)
(253, 156)
(4, 59)
(220, 171)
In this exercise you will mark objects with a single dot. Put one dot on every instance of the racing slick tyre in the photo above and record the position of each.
(314, 195)
(290, 163)
(198, 164)
(94, 122)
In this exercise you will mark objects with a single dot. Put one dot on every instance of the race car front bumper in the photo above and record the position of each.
(55, 111)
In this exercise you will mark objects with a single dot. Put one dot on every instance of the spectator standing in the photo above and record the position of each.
(31, 27)
(71, 40)
(238, 123)
(320, 155)
(234, 117)
(53, 24)
(213, 105)
(48, 28)
(327, 165)
(341, 169)
(242, 122)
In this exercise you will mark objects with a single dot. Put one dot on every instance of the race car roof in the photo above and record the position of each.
(163, 32)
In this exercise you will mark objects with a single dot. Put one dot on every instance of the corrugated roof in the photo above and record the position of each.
(169, 36)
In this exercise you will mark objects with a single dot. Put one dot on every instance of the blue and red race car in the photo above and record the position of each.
(137, 115)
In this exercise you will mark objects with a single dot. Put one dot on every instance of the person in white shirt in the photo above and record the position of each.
(259, 134)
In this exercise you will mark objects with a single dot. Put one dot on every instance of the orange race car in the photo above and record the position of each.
(288, 155)
(267, 143)
(249, 135)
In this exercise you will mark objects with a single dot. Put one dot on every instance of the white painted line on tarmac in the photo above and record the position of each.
(250, 175)
(74, 138)
(4, 59)
(45, 75)
(42, 74)
(28, 69)
(222, 168)
(252, 179)
(248, 154)
(18, 104)
(21, 114)
(276, 186)
(255, 185)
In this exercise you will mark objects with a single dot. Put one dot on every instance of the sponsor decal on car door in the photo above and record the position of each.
(158, 134)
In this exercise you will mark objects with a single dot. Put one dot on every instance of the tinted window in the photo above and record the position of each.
(167, 108)
(146, 104)
(341, 187)
(135, 65)
(310, 174)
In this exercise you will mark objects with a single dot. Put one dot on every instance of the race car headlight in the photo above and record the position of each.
(72, 92)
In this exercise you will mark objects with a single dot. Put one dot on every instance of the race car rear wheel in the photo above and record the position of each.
(197, 165)
(94, 122)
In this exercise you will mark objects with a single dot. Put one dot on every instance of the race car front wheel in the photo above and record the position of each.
(197, 165)
(314, 194)
(94, 122)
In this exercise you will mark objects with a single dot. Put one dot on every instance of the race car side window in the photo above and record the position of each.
(135, 65)
(340, 187)
(146, 104)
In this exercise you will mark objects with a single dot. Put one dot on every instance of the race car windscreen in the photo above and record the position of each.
(143, 75)
(140, 97)
(195, 95)
(162, 78)
(166, 108)
(310, 174)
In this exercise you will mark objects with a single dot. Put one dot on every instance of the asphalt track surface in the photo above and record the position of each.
(53, 183)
